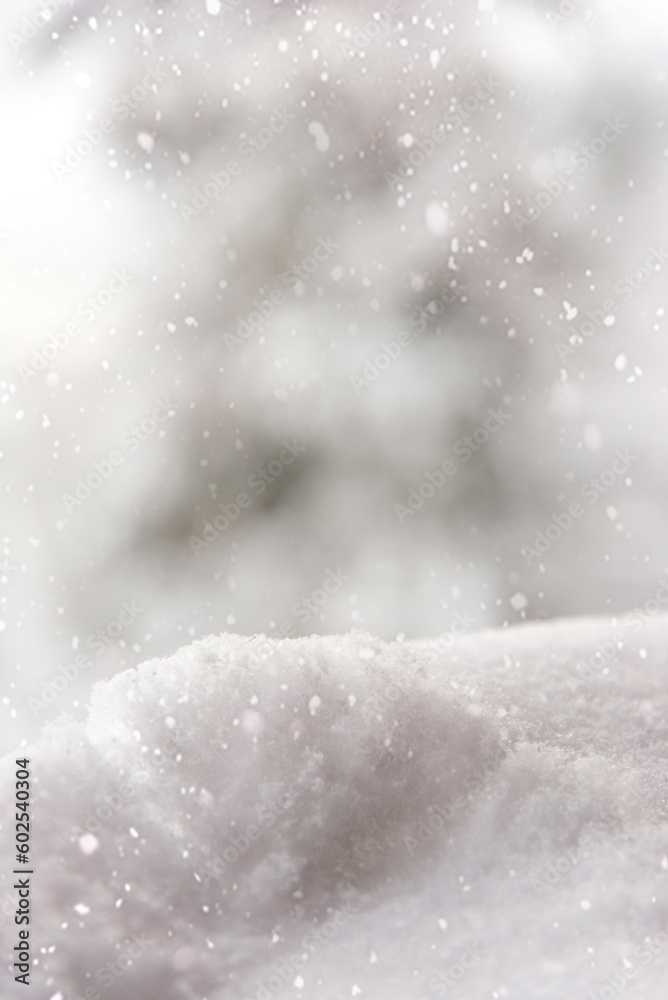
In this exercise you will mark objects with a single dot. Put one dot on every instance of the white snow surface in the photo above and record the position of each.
(324, 759)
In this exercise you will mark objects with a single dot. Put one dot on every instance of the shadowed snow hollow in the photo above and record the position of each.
(327, 817)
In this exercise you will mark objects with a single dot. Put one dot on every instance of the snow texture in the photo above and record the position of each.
(329, 817)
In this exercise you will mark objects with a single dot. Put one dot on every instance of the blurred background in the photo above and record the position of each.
(219, 219)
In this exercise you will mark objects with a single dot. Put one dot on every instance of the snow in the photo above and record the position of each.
(361, 230)
(533, 93)
(340, 816)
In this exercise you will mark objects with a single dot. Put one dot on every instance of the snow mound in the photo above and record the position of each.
(323, 817)
(250, 722)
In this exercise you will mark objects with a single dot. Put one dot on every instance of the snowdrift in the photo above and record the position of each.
(329, 817)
